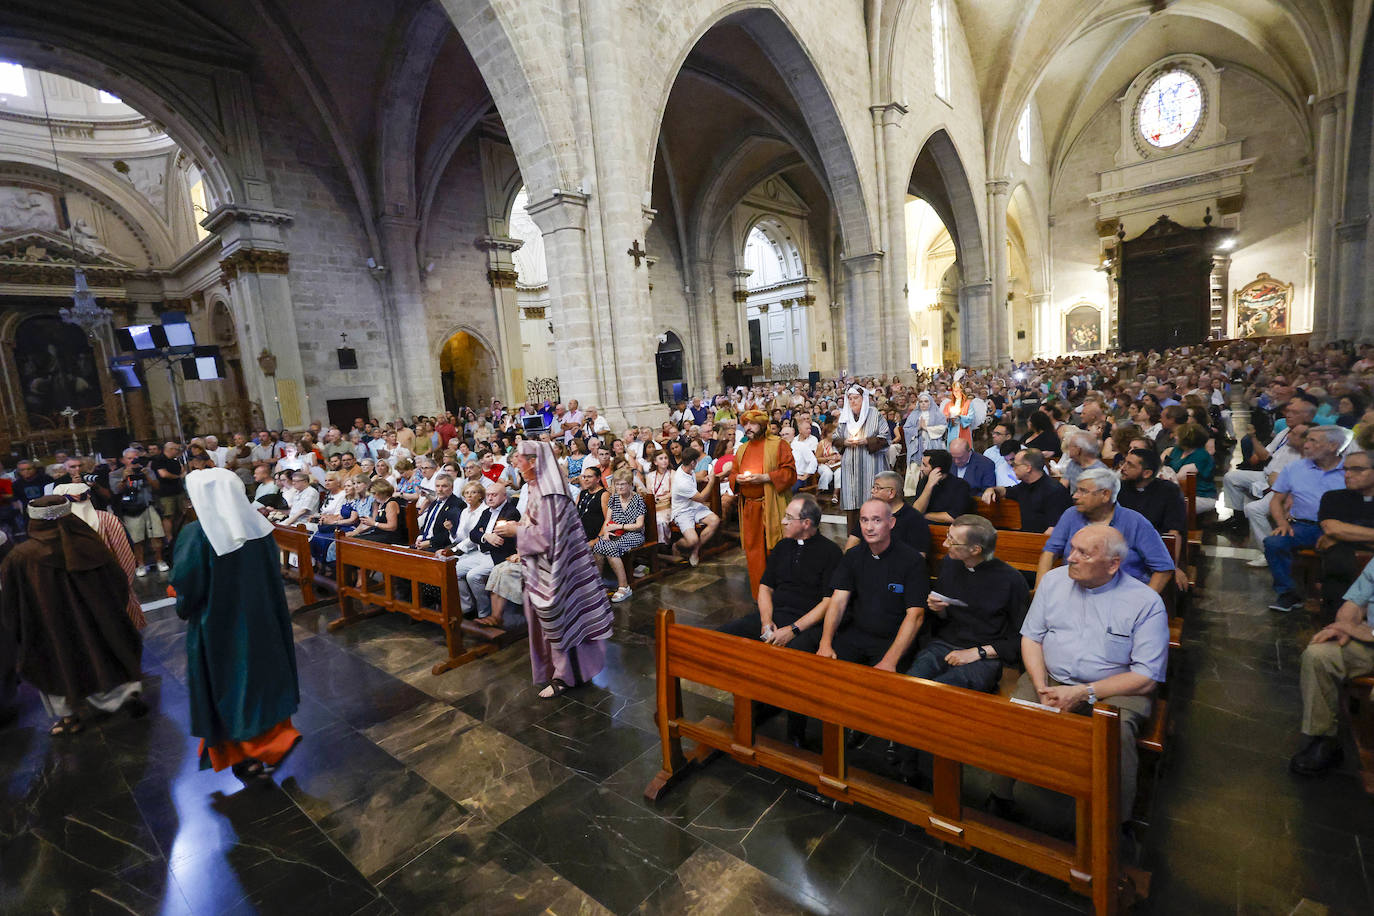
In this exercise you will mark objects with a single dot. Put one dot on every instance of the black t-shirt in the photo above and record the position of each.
(1046, 442)
(882, 588)
(799, 572)
(167, 486)
(952, 494)
(593, 514)
(1042, 502)
(1346, 506)
(911, 529)
(997, 598)
(1161, 502)
(26, 490)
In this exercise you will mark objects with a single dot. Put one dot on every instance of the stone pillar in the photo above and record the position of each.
(975, 332)
(896, 318)
(706, 327)
(1041, 327)
(414, 378)
(1348, 318)
(562, 218)
(502, 276)
(999, 345)
(863, 298)
(254, 263)
(1330, 112)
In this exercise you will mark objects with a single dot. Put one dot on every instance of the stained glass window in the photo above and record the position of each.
(1023, 136)
(1169, 108)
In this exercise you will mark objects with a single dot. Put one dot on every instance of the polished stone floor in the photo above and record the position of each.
(463, 793)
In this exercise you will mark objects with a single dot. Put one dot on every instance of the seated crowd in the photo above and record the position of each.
(1101, 455)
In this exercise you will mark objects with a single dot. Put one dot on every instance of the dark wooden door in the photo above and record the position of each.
(1165, 292)
(342, 412)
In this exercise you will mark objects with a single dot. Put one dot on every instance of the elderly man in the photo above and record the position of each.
(762, 475)
(1347, 522)
(883, 584)
(440, 518)
(132, 486)
(974, 469)
(1338, 652)
(1297, 500)
(1242, 487)
(979, 629)
(1094, 499)
(1093, 633)
(1042, 500)
(475, 567)
(1082, 452)
(302, 500)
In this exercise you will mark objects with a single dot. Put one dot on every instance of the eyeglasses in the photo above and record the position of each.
(791, 518)
(1357, 468)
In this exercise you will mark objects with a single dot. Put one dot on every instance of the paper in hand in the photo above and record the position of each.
(954, 602)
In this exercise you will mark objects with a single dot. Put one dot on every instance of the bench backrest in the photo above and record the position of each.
(1005, 514)
(1188, 484)
(296, 540)
(1020, 549)
(394, 562)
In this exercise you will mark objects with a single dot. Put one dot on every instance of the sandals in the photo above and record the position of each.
(491, 620)
(249, 771)
(67, 725)
(559, 688)
(622, 594)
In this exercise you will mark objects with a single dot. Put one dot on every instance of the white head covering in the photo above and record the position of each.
(851, 422)
(83, 509)
(225, 516)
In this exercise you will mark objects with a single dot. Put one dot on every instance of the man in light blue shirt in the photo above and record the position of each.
(1340, 651)
(1294, 507)
(1001, 434)
(1093, 633)
(1094, 498)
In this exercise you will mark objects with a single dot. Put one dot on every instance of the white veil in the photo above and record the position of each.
(223, 511)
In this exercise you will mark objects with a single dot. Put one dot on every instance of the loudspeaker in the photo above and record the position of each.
(111, 441)
(813, 379)
(348, 358)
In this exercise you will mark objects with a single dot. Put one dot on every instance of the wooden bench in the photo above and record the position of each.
(1019, 549)
(358, 559)
(1078, 756)
(1361, 707)
(1188, 484)
(1005, 514)
(295, 541)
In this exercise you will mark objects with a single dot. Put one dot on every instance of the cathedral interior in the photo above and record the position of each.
(400, 207)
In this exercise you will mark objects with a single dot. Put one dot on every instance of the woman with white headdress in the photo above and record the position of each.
(111, 531)
(241, 656)
(924, 428)
(859, 439)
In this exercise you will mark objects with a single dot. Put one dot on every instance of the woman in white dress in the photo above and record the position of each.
(859, 439)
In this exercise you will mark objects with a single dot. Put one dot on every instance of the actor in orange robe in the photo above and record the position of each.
(763, 474)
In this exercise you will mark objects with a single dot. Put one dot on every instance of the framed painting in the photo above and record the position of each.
(1083, 329)
(1264, 307)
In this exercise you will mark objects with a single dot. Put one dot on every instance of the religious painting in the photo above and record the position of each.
(1083, 329)
(1263, 307)
(56, 369)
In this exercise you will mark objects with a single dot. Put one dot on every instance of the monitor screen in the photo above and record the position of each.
(533, 424)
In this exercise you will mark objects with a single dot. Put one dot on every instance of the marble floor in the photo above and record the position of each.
(463, 793)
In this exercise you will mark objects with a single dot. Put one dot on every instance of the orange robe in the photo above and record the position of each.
(761, 505)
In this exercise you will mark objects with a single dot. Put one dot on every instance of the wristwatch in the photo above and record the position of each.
(796, 630)
(1092, 695)
(982, 654)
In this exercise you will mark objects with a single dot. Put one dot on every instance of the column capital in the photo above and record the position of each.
(983, 288)
(498, 243)
(227, 214)
(739, 274)
(560, 210)
(862, 263)
(1331, 103)
(999, 187)
(888, 114)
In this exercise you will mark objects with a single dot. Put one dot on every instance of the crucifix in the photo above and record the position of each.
(637, 253)
(70, 413)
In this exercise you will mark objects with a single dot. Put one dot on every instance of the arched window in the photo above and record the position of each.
(939, 50)
(1023, 136)
(12, 80)
(772, 256)
(530, 265)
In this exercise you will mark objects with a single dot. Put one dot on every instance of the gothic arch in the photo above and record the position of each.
(954, 200)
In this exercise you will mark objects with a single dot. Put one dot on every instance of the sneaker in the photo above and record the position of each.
(641, 571)
(621, 594)
(162, 567)
(1258, 562)
(1288, 601)
(141, 571)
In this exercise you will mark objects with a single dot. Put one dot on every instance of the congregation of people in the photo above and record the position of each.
(547, 509)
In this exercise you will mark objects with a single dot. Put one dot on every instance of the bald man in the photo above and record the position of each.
(1092, 633)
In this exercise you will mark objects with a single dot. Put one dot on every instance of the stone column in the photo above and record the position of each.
(999, 346)
(1040, 325)
(414, 360)
(863, 289)
(1348, 321)
(1326, 308)
(501, 276)
(896, 318)
(254, 263)
(562, 218)
(975, 334)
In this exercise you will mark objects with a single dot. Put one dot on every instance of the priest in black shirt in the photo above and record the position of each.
(1160, 501)
(1347, 522)
(879, 599)
(911, 527)
(1042, 498)
(940, 496)
(973, 639)
(795, 588)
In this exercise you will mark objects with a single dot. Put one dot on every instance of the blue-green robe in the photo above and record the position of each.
(241, 657)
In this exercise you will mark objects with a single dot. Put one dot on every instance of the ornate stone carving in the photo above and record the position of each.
(741, 295)
(254, 261)
(535, 312)
(502, 278)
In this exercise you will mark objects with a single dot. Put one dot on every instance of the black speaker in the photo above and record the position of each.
(111, 441)
(813, 379)
(348, 358)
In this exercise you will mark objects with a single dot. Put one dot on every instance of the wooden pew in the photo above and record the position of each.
(1188, 484)
(295, 540)
(1361, 706)
(1078, 756)
(1020, 549)
(418, 567)
(410, 518)
(1005, 514)
(648, 551)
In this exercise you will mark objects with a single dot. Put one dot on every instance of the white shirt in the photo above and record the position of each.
(466, 520)
(684, 487)
(334, 505)
(1006, 477)
(301, 503)
(804, 458)
(810, 443)
(219, 456)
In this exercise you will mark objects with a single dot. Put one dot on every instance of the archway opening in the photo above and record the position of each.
(779, 331)
(932, 287)
(468, 370)
(672, 371)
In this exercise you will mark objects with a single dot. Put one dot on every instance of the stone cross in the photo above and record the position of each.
(637, 253)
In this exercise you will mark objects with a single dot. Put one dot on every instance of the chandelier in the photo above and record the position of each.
(83, 312)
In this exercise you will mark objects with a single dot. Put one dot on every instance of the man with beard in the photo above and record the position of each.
(762, 475)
